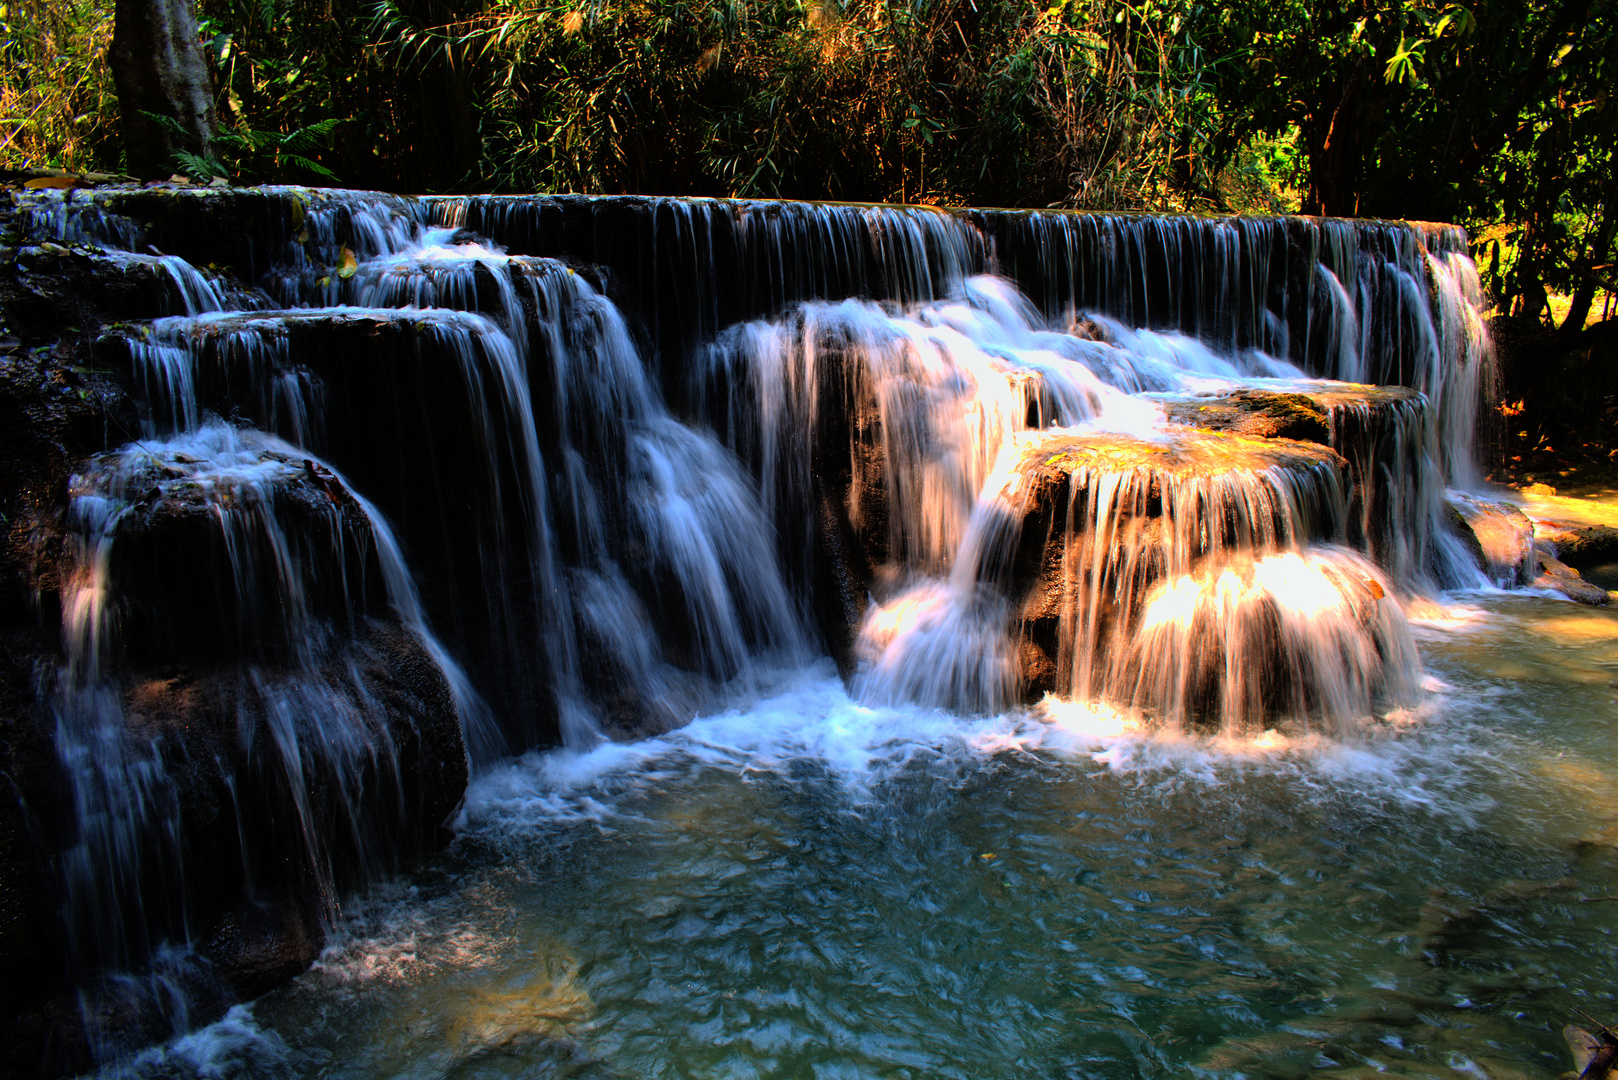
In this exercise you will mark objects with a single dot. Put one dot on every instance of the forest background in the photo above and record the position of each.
(1493, 114)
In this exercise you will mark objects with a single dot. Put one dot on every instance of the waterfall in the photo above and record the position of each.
(230, 544)
(554, 470)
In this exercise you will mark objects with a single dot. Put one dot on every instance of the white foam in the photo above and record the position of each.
(225, 1048)
(808, 718)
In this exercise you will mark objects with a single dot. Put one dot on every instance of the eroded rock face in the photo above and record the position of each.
(202, 554)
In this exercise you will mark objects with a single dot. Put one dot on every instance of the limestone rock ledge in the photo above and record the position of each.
(1100, 520)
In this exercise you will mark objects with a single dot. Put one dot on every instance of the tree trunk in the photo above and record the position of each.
(1584, 290)
(158, 69)
(1337, 144)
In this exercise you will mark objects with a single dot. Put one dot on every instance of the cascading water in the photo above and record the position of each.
(230, 545)
(1170, 546)
(608, 461)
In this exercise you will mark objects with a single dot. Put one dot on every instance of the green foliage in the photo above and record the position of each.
(242, 153)
(1492, 115)
(284, 72)
(57, 106)
(1080, 103)
(1495, 115)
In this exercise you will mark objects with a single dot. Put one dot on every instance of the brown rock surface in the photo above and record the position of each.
(1499, 535)
(1557, 575)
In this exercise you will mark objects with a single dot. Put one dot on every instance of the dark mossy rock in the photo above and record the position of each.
(214, 565)
(380, 690)
(240, 231)
(188, 622)
(260, 943)
(1256, 413)
(398, 405)
(34, 804)
(248, 877)
(115, 285)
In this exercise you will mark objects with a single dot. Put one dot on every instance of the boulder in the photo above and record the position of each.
(1380, 431)
(1499, 536)
(249, 746)
(1582, 547)
(1557, 575)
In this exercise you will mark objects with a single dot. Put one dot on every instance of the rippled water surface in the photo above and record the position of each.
(807, 888)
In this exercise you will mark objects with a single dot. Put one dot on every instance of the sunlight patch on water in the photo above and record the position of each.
(1569, 508)
(1447, 616)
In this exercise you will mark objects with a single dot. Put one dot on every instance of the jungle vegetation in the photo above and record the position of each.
(1494, 114)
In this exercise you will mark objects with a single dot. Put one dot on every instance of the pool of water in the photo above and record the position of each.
(803, 887)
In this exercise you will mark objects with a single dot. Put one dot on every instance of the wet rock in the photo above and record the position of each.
(258, 826)
(1582, 547)
(397, 402)
(192, 557)
(1256, 413)
(119, 284)
(33, 804)
(1557, 575)
(1093, 525)
(260, 943)
(228, 715)
(1172, 503)
(1380, 431)
(844, 582)
(245, 230)
(1499, 535)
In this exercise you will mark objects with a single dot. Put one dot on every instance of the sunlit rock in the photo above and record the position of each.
(1260, 414)
(1499, 536)
(1180, 578)
(1131, 511)
(1381, 432)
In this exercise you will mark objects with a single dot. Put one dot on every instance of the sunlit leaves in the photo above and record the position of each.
(57, 106)
(1401, 66)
